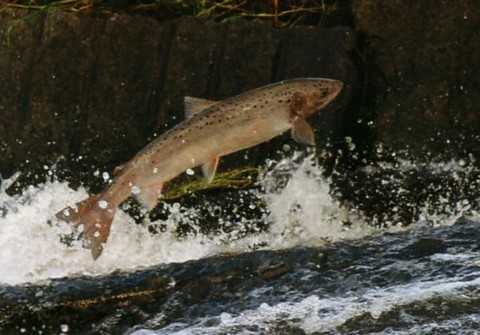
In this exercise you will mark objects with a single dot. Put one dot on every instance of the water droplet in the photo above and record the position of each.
(350, 144)
(175, 208)
(135, 190)
(103, 204)
(171, 283)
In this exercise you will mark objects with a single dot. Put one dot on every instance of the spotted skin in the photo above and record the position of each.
(225, 127)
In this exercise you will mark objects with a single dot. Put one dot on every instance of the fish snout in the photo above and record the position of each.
(323, 95)
(334, 87)
(338, 86)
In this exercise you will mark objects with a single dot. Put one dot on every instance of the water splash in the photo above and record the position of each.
(299, 208)
(300, 213)
(302, 210)
(314, 314)
(44, 256)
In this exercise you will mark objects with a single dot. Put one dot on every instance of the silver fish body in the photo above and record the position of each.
(212, 130)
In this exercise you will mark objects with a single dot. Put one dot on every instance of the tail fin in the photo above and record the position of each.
(96, 218)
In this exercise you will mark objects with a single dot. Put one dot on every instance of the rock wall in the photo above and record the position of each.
(424, 70)
(96, 89)
(101, 88)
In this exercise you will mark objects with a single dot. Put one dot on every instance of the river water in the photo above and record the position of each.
(323, 265)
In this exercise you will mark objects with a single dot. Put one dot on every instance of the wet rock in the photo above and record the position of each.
(425, 247)
(270, 271)
(97, 89)
(423, 68)
(399, 192)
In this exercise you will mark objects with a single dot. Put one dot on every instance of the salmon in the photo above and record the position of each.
(212, 129)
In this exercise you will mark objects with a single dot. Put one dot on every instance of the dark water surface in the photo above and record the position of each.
(421, 281)
(319, 268)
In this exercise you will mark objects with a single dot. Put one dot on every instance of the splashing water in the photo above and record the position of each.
(301, 213)
(419, 279)
(314, 314)
(297, 197)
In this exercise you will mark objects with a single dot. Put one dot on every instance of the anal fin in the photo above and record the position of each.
(210, 168)
(150, 196)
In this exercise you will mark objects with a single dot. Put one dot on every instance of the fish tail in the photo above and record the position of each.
(96, 216)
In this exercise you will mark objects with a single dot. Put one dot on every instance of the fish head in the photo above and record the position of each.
(314, 95)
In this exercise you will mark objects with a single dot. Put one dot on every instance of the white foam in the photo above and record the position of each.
(303, 211)
(323, 314)
(458, 326)
(297, 196)
(31, 249)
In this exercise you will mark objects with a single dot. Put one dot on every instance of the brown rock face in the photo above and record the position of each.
(97, 89)
(427, 76)
(101, 88)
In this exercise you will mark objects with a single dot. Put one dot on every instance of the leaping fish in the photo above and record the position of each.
(211, 130)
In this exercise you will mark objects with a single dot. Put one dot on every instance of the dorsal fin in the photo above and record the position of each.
(196, 105)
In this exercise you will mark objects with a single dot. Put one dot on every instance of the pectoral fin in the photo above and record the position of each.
(150, 196)
(302, 132)
(210, 168)
(196, 105)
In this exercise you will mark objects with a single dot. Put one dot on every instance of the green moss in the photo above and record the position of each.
(234, 179)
